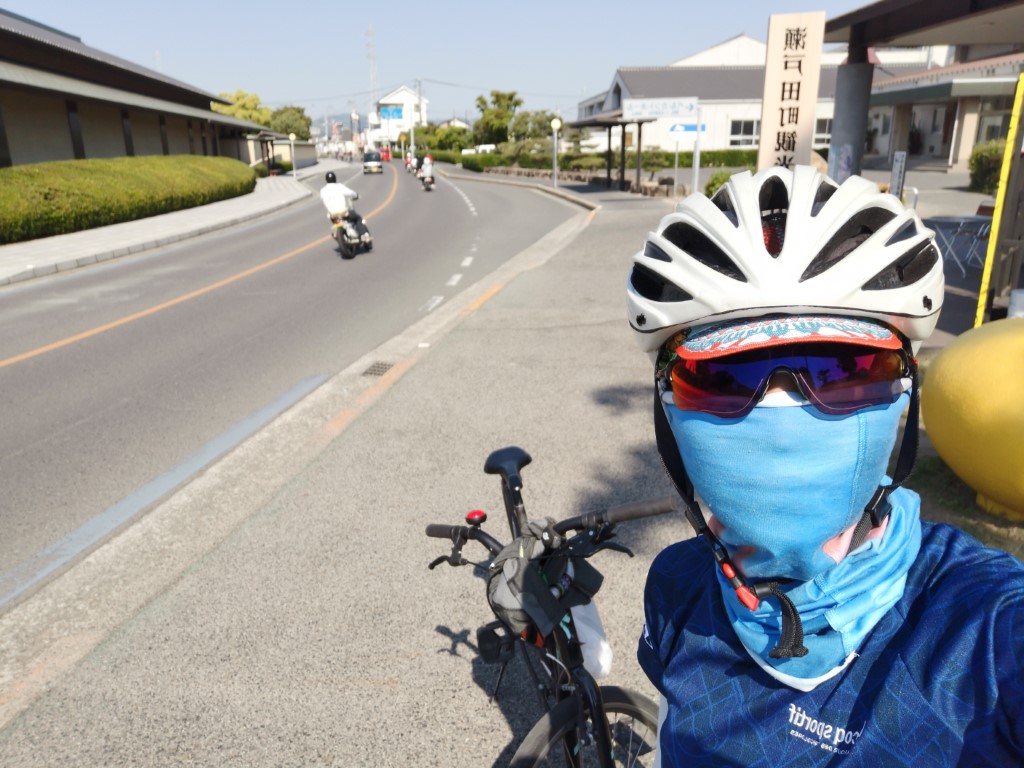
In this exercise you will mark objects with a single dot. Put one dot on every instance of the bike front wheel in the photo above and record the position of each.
(559, 739)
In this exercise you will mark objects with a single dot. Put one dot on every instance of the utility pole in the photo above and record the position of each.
(415, 116)
(371, 54)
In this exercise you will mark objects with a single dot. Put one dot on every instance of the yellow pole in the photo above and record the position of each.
(997, 214)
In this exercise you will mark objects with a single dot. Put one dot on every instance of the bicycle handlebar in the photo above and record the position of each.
(631, 511)
(460, 534)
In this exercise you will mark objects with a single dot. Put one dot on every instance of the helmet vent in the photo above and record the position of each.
(723, 201)
(652, 251)
(855, 231)
(654, 287)
(907, 231)
(696, 244)
(773, 196)
(774, 202)
(822, 196)
(906, 270)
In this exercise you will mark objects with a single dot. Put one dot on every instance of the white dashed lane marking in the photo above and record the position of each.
(454, 280)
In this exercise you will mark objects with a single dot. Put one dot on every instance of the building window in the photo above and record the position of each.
(744, 133)
(822, 132)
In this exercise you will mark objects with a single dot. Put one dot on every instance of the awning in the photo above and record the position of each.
(607, 119)
(948, 91)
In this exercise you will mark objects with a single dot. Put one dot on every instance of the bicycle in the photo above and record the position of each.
(585, 724)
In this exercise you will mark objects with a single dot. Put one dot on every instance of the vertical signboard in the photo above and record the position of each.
(899, 172)
(791, 72)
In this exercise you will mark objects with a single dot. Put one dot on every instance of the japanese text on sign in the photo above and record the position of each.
(792, 68)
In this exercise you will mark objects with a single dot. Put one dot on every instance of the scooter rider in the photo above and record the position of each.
(427, 171)
(816, 620)
(339, 200)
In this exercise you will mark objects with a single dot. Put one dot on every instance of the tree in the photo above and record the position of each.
(454, 138)
(495, 117)
(291, 120)
(244, 106)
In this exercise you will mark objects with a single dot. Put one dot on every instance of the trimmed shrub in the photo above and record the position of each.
(481, 161)
(985, 163)
(47, 199)
(718, 178)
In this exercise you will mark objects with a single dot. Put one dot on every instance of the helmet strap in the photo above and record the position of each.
(878, 508)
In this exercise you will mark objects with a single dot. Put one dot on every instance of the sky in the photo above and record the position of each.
(322, 55)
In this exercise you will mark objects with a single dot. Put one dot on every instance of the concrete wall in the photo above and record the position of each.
(36, 126)
(102, 133)
(145, 133)
(37, 129)
(177, 135)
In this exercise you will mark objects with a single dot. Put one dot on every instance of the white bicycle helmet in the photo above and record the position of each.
(786, 242)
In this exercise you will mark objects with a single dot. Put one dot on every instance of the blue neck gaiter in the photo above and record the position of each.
(781, 482)
(838, 608)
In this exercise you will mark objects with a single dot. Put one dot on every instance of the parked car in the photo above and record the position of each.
(372, 163)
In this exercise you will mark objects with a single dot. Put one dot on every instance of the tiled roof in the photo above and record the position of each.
(48, 36)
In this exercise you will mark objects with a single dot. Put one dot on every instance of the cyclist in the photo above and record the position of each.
(825, 623)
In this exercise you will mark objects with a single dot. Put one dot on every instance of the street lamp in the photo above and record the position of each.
(295, 165)
(556, 124)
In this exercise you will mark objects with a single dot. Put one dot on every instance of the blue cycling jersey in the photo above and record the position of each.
(937, 682)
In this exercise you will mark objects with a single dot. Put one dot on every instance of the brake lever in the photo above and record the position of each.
(615, 546)
(454, 559)
(596, 540)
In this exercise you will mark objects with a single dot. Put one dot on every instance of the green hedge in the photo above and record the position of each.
(985, 164)
(47, 199)
(653, 160)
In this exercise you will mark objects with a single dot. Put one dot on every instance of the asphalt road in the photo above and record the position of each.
(179, 351)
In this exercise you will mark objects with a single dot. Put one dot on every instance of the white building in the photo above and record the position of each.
(398, 114)
(728, 81)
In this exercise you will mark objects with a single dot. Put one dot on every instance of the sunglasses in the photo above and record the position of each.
(837, 379)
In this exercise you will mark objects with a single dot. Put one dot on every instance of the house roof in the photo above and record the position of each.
(707, 84)
(35, 45)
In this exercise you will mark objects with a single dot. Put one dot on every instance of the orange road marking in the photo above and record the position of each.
(159, 307)
(188, 296)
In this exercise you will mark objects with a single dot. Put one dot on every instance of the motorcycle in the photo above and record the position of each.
(428, 182)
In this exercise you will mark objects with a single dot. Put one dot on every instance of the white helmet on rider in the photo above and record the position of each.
(786, 242)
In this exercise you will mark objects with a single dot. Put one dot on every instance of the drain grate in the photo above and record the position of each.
(378, 369)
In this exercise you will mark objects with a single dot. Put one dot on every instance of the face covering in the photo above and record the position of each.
(781, 482)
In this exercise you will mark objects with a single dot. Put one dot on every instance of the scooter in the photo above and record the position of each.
(428, 182)
(350, 233)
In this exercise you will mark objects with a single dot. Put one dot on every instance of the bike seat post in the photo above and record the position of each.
(508, 463)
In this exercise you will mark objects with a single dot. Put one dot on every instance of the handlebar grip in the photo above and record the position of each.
(631, 511)
(441, 531)
(638, 509)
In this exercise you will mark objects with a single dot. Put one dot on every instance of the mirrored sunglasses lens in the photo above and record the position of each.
(837, 378)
